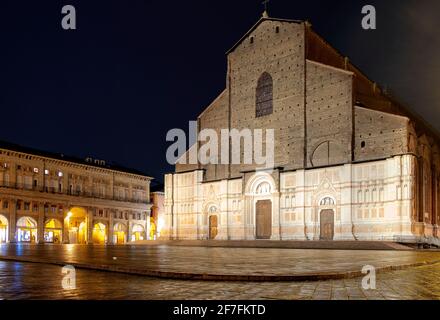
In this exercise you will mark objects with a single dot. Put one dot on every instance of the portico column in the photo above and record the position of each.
(40, 227)
(12, 220)
(89, 225)
(129, 227)
(110, 228)
(66, 225)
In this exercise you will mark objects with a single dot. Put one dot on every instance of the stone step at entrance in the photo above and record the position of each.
(330, 245)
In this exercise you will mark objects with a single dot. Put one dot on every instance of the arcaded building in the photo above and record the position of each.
(52, 198)
(351, 163)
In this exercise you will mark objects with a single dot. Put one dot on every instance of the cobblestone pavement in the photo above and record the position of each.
(39, 281)
(223, 261)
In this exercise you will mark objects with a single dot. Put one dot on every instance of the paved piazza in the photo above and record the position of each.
(220, 261)
(44, 281)
(38, 281)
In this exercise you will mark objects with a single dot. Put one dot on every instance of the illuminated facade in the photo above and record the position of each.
(157, 213)
(351, 163)
(49, 198)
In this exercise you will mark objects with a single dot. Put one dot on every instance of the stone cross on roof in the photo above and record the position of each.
(265, 4)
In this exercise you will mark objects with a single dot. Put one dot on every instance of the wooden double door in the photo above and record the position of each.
(263, 220)
(327, 225)
(213, 227)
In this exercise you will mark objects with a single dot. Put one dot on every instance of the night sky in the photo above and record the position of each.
(135, 69)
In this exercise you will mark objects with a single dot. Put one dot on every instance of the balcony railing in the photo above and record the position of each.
(74, 193)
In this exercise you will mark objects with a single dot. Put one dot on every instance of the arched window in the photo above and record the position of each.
(264, 188)
(327, 202)
(264, 95)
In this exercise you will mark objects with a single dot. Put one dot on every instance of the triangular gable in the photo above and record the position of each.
(262, 19)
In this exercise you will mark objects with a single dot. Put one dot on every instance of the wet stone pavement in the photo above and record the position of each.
(222, 261)
(40, 281)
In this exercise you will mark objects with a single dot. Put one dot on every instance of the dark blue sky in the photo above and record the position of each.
(135, 69)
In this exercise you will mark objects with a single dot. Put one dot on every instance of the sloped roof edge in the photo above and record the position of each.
(262, 19)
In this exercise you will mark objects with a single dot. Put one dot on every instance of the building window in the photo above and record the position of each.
(60, 174)
(363, 144)
(277, 29)
(36, 170)
(374, 195)
(264, 95)
(287, 202)
(46, 172)
(252, 40)
(35, 207)
(5, 204)
(27, 206)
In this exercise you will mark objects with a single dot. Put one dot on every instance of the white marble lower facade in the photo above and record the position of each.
(360, 201)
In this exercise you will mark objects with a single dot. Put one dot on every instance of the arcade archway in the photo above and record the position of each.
(3, 229)
(53, 231)
(76, 226)
(99, 234)
(119, 233)
(27, 230)
(138, 233)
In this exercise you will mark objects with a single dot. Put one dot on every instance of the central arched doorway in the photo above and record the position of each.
(99, 235)
(327, 225)
(119, 233)
(27, 230)
(327, 206)
(263, 219)
(76, 226)
(213, 227)
(137, 233)
(53, 231)
(3, 229)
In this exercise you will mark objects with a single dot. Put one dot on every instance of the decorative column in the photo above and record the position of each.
(130, 192)
(12, 220)
(13, 175)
